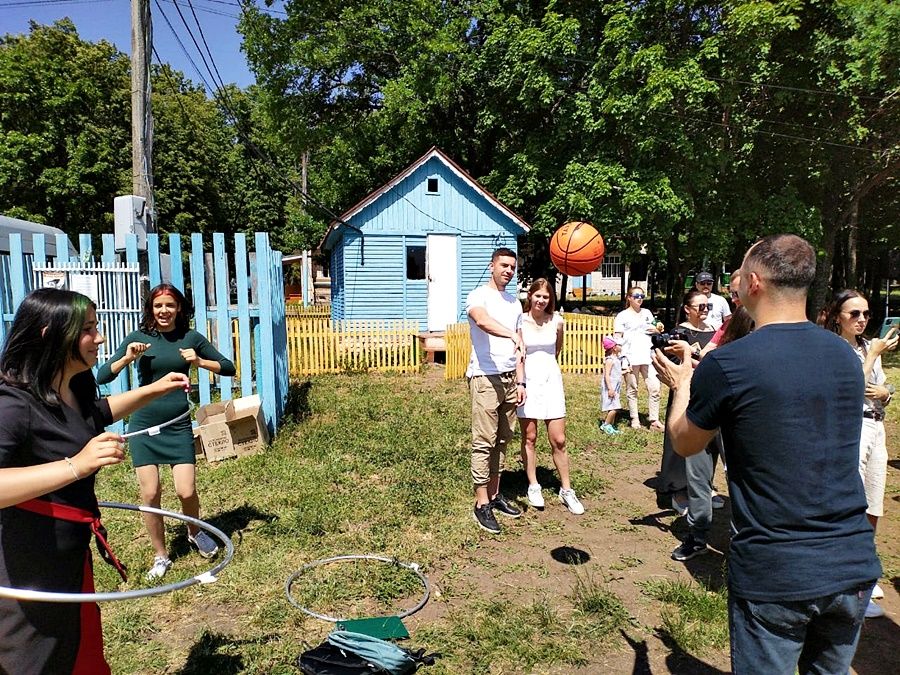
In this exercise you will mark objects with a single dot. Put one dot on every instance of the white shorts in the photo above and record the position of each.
(873, 458)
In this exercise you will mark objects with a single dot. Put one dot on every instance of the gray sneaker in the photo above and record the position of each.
(204, 544)
(484, 516)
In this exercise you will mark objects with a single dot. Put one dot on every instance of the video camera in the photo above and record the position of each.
(663, 340)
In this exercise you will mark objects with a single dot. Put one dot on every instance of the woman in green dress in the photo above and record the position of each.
(165, 343)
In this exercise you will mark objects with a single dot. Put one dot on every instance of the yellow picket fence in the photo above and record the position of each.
(582, 350)
(317, 345)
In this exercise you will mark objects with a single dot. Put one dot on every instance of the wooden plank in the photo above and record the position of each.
(223, 299)
(265, 365)
(17, 281)
(240, 271)
(85, 248)
(62, 249)
(175, 264)
(198, 287)
(153, 266)
(279, 335)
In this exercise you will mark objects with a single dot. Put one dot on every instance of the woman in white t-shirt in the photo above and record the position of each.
(635, 324)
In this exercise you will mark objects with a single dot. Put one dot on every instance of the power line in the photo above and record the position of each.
(46, 3)
(763, 131)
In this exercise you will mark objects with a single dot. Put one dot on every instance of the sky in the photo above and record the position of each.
(111, 20)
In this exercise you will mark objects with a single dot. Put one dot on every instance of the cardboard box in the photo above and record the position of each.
(230, 429)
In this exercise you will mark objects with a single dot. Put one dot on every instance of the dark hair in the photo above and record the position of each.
(182, 319)
(503, 252)
(44, 335)
(537, 285)
(832, 311)
(686, 300)
(739, 325)
(788, 262)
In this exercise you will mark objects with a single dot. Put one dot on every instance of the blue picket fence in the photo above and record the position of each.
(237, 294)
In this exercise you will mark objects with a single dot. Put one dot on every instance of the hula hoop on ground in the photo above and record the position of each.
(154, 430)
(338, 558)
(204, 578)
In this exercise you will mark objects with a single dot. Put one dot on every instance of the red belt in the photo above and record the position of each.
(73, 514)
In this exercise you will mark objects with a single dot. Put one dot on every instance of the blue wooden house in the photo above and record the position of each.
(414, 248)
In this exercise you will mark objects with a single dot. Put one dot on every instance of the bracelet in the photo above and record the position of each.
(72, 467)
(521, 384)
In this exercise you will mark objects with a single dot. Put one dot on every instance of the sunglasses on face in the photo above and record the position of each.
(854, 313)
(734, 295)
(701, 308)
(705, 283)
(638, 296)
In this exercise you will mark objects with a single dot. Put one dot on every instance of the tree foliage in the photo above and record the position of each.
(65, 144)
(685, 130)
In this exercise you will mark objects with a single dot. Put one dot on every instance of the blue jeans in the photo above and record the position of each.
(815, 636)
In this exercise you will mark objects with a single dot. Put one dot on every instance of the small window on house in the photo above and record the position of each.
(611, 267)
(432, 186)
(415, 262)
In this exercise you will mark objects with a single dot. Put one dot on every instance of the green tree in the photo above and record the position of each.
(64, 128)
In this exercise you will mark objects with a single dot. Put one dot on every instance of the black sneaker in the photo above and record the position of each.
(504, 506)
(484, 516)
(689, 549)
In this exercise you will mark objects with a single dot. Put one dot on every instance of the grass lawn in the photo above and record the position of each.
(380, 464)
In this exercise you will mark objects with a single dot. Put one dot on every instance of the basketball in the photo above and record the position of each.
(577, 249)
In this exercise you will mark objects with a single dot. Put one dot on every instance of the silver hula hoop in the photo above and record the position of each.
(338, 558)
(204, 578)
(153, 431)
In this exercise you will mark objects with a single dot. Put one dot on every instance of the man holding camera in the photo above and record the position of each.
(802, 562)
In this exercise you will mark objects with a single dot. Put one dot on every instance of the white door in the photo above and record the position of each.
(443, 284)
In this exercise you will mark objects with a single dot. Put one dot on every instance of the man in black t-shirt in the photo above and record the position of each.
(787, 399)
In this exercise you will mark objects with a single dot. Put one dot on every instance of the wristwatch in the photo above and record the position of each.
(521, 384)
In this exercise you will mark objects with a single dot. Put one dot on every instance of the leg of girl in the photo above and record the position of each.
(185, 477)
(529, 437)
(556, 430)
(151, 494)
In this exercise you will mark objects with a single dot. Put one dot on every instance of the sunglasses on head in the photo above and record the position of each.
(701, 307)
(637, 296)
(854, 313)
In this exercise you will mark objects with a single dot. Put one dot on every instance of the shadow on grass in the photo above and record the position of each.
(205, 658)
(230, 522)
(877, 646)
(297, 406)
(514, 484)
(679, 661)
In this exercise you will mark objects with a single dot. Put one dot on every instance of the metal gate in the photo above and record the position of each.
(114, 287)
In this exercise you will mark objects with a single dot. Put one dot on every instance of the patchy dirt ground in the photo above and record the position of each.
(624, 539)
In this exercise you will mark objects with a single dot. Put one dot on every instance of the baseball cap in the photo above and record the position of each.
(611, 341)
(704, 276)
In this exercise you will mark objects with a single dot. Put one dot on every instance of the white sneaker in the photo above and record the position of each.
(160, 567)
(534, 496)
(571, 502)
(874, 611)
(877, 593)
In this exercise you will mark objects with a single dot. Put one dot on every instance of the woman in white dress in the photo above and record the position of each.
(634, 325)
(542, 333)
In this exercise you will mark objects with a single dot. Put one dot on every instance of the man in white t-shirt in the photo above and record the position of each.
(496, 377)
(720, 310)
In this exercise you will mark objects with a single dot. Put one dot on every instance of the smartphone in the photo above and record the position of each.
(888, 322)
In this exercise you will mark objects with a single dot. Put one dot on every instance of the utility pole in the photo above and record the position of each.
(141, 115)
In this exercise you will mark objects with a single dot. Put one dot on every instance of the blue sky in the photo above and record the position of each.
(111, 20)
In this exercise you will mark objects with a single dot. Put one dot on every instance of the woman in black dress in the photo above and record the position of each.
(52, 444)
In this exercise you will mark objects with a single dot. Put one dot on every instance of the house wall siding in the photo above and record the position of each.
(373, 284)
(337, 282)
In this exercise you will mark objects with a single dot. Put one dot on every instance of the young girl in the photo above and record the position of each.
(542, 334)
(614, 367)
(52, 444)
(165, 342)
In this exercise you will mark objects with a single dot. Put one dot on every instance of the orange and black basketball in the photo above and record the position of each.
(577, 249)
